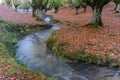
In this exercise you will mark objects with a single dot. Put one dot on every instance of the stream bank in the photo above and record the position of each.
(90, 45)
(33, 52)
(10, 68)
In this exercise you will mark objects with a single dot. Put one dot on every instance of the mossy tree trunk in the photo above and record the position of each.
(70, 4)
(97, 17)
(34, 4)
(40, 7)
(116, 8)
(97, 6)
(33, 11)
(16, 3)
(40, 14)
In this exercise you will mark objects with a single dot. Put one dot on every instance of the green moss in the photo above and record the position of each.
(51, 41)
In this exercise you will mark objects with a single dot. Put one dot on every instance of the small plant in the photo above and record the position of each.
(111, 50)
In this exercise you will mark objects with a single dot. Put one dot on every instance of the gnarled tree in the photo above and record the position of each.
(40, 7)
(97, 7)
(16, 3)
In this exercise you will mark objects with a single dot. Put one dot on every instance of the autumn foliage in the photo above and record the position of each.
(104, 41)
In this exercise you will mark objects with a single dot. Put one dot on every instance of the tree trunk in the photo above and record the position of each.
(97, 17)
(27, 9)
(70, 1)
(15, 9)
(77, 11)
(40, 14)
(84, 9)
(70, 4)
(33, 11)
(116, 8)
(12, 4)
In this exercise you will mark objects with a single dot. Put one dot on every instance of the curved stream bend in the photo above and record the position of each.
(32, 50)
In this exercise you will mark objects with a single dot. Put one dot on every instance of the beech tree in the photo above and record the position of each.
(40, 7)
(15, 3)
(97, 7)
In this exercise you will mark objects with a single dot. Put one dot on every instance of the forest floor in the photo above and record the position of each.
(102, 41)
(105, 40)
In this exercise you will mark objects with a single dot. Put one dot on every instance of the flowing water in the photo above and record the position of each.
(32, 50)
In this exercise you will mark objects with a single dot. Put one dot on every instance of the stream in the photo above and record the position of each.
(32, 51)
